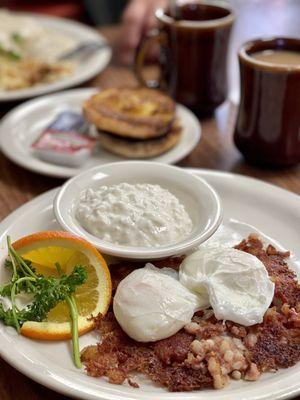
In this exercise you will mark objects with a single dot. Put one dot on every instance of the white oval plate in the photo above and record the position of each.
(200, 200)
(271, 210)
(22, 126)
(86, 70)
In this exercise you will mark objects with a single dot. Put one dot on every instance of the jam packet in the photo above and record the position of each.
(65, 141)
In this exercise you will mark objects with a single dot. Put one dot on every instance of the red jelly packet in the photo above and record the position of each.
(65, 142)
(68, 142)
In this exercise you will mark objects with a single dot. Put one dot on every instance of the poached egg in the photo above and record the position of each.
(151, 304)
(234, 283)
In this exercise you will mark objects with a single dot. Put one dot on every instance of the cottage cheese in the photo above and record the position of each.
(142, 215)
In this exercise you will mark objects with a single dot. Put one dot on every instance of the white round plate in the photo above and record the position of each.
(199, 199)
(23, 125)
(271, 210)
(86, 70)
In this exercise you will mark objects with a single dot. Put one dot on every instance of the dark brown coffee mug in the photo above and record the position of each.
(268, 124)
(193, 56)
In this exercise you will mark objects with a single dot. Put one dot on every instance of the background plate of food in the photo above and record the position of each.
(30, 48)
(61, 135)
(247, 210)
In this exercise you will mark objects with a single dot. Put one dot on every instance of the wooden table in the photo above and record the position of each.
(215, 151)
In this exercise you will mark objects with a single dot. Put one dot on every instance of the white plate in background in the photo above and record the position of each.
(247, 202)
(23, 125)
(84, 71)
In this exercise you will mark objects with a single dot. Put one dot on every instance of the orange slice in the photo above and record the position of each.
(44, 249)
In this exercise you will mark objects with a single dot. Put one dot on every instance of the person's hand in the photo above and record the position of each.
(138, 17)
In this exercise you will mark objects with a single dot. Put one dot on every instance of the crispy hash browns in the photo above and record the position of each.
(207, 352)
(26, 73)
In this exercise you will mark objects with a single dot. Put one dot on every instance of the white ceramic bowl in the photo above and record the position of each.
(199, 198)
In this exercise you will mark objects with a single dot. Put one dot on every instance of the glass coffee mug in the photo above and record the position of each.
(193, 53)
(268, 124)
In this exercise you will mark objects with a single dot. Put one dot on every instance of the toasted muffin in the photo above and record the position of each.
(139, 113)
(134, 148)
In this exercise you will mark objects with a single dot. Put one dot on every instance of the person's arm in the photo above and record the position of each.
(138, 17)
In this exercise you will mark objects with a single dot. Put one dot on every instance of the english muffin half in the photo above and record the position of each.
(137, 149)
(139, 113)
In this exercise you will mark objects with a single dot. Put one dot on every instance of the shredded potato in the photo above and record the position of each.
(25, 73)
(29, 52)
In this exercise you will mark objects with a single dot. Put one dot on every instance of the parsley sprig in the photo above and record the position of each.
(47, 293)
(10, 54)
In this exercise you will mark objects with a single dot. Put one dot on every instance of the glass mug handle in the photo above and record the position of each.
(149, 38)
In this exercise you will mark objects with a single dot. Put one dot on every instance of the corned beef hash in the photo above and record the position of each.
(211, 347)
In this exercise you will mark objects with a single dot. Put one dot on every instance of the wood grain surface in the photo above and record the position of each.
(215, 150)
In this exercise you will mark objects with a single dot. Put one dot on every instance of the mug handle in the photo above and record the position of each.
(150, 37)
